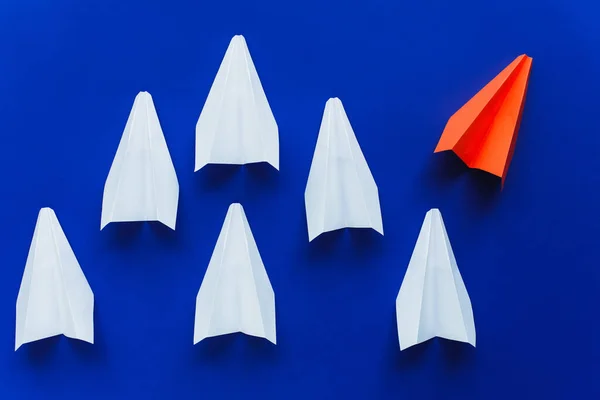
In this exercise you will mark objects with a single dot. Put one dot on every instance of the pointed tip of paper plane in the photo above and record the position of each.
(333, 105)
(433, 300)
(54, 297)
(142, 184)
(341, 191)
(143, 96)
(434, 214)
(236, 124)
(46, 211)
(235, 294)
(235, 206)
(238, 38)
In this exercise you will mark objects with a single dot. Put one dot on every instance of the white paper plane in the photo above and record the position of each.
(340, 192)
(142, 184)
(236, 125)
(433, 300)
(236, 294)
(55, 297)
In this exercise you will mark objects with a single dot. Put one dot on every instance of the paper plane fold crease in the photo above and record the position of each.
(433, 300)
(236, 125)
(55, 297)
(483, 133)
(341, 191)
(236, 294)
(141, 184)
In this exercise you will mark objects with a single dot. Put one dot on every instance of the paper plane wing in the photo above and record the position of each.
(340, 192)
(55, 297)
(433, 300)
(142, 184)
(236, 294)
(236, 125)
(484, 131)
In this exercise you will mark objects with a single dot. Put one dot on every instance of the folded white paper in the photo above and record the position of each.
(236, 294)
(55, 297)
(236, 125)
(142, 184)
(433, 300)
(340, 192)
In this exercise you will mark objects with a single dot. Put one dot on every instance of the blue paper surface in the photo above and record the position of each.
(69, 71)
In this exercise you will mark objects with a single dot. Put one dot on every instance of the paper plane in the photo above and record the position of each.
(142, 184)
(484, 131)
(433, 300)
(236, 294)
(54, 298)
(340, 192)
(236, 125)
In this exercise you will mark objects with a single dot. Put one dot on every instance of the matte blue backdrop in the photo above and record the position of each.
(69, 71)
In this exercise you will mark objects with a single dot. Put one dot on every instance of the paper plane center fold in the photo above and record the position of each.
(236, 125)
(341, 191)
(236, 294)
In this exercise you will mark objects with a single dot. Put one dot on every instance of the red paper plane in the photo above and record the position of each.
(484, 131)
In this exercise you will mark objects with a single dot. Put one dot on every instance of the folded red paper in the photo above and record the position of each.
(484, 131)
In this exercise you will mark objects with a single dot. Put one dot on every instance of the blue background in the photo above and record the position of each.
(69, 71)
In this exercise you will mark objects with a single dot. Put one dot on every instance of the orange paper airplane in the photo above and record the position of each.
(484, 131)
